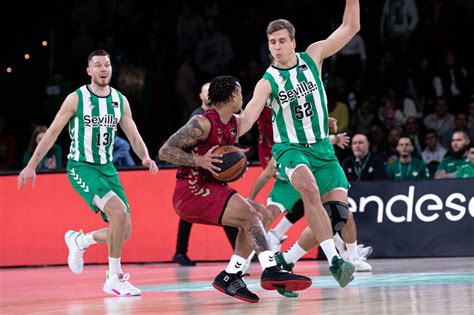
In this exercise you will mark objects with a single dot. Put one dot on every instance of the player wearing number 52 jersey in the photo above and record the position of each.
(93, 112)
(304, 156)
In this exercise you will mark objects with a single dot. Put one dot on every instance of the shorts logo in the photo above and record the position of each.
(78, 180)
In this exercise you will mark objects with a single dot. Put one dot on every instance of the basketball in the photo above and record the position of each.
(234, 163)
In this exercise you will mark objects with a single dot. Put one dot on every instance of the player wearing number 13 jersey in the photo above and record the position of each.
(93, 113)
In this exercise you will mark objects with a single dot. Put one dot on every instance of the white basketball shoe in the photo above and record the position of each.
(361, 265)
(118, 285)
(75, 258)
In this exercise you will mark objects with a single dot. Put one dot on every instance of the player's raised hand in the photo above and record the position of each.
(151, 165)
(27, 172)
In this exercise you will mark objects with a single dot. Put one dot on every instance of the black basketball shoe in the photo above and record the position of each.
(233, 285)
(274, 278)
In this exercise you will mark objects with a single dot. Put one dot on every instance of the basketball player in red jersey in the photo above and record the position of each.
(199, 198)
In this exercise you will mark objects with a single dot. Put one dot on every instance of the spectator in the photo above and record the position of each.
(441, 120)
(467, 170)
(189, 29)
(338, 110)
(363, 165)
(363, 116)
(461, 123)
(391, 153)
(398, 23)
(350, 62)
(407, 167)
(413, 130)
(186, 85)
(205, 103)
(451, 82)
(214, 53)
(389, 114)
(52, 160)
(121, 154)
(434, 152)
(457, 157)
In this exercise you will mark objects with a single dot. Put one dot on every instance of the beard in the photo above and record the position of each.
(460, 153)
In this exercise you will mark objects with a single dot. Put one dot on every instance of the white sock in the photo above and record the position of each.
(329, 249)
(294, 254)
(267, 259)
(282, 227)
(339, 243)
(352, 250)
(85, 240)
(236, 264)
(114, 266)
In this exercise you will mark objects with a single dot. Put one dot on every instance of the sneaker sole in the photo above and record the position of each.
(218, 288)
(346, 275)
(288, 294)
(288, 285)
(115, 293)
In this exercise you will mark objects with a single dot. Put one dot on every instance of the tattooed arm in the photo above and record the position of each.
(173, 151)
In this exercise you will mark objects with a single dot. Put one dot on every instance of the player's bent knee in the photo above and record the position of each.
(338, 212)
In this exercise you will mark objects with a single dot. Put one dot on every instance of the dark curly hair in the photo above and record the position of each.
(222, 89)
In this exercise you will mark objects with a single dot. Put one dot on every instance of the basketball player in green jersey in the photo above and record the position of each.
(302, 150)
(93, 112)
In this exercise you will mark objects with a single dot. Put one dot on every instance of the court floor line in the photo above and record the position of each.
(328, 282)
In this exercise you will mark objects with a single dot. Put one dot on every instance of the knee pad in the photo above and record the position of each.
(338, 213)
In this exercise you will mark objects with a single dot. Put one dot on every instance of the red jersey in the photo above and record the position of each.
(265, 136)
(220, 134)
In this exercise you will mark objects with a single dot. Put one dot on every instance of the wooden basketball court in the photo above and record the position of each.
(396, 286)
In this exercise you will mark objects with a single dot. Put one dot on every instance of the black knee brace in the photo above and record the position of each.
(338, 213)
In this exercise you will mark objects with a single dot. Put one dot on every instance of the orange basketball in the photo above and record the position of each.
(234, 163)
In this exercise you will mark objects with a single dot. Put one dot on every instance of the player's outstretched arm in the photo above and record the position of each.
(340, 37)
(253, 109)
(67, 110)
(138, 145)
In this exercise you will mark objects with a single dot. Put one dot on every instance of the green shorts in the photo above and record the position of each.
(283, 195)
(90, 180)
(319, 158)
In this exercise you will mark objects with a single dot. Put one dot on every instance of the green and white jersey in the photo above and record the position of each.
(93, 128)
(298, 102)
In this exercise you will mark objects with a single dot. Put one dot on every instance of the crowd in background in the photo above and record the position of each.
(406, 74)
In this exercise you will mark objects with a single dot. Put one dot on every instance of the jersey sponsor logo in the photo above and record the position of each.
(303, 68)
(301, 90)
(102, 121)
